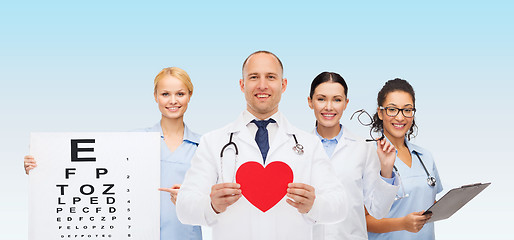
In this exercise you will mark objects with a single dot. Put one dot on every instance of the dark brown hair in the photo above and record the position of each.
(328, 77)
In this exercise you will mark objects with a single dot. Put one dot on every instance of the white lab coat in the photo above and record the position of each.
(242, 220)
(358, 168)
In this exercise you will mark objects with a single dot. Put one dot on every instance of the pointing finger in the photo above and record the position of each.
(165, 190)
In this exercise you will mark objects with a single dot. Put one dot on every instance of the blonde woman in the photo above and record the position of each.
(172, 91)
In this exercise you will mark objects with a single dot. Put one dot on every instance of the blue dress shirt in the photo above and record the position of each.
(330, 144)
(173, 169)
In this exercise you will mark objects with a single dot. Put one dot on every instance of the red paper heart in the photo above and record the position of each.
(264, 187)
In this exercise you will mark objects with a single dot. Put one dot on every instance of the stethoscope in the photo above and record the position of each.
(430, 180)
(297, 148)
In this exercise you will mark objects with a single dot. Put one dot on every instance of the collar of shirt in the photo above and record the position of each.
(189, 136)
(334, 140)
(413, 147)
(330, 144)
(272, 127)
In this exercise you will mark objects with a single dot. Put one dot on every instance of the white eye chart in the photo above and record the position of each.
(94, 186)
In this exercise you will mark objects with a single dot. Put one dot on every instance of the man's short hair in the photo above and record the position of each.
(266, 52)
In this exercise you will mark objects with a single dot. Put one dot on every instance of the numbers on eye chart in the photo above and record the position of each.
(128, 209)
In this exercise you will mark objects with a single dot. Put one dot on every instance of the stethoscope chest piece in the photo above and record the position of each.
(431, 181)
(298, 149)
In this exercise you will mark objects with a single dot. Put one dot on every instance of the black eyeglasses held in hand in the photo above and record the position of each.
(366, 120)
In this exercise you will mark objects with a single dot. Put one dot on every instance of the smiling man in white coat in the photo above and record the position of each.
(259, 177)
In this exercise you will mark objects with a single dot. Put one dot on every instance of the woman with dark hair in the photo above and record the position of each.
(366, 179)
(414, 165)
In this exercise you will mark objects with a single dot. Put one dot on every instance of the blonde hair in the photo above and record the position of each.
(177, 73)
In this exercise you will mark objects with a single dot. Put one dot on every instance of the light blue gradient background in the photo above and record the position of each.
(89, 66)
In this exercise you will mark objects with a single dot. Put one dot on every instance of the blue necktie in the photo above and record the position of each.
(261, 137)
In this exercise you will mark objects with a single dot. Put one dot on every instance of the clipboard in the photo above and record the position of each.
(454, 200)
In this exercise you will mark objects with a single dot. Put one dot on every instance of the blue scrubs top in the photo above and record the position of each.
(421, 195)
(173, 169)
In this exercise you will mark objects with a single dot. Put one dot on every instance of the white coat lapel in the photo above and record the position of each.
(282, 136)
(345, 141)
(242, 133)
(245, 136)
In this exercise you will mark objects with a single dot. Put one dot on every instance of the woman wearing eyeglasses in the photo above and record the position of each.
(414, 165)
(367, 180)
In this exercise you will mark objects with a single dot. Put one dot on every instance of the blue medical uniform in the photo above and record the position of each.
(421, 195)
(173, 169)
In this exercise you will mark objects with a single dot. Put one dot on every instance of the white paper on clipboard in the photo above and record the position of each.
(454, 200)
